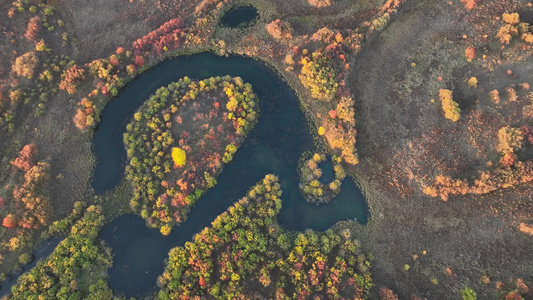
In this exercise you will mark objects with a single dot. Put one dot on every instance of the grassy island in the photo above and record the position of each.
(179, 140)
(311, 185)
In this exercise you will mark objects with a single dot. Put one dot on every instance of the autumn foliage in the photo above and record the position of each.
(179, 140)
(34, 206)
(166, 37)
(25, 64)
(311, 184)
(10, 221)
(245, 254)
(34, 25)
(279, 29)
(25, 160)
(470, 53)
(70, 78)
(450, 107)
(178, 156)
(318, 76)
(470, 4)
(139, 61)
(319, 3)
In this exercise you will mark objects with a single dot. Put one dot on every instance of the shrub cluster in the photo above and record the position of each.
(166, 37)
(279, 29)
(312, 188)
(318, 76)
(509, 172)
(512, 27)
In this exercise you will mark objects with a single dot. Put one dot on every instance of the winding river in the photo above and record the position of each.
(275, 145)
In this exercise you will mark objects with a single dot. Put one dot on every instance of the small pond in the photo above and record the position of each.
(275, 145)
(240, 17)
(328, 174)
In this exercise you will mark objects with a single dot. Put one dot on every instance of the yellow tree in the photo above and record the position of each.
(450, 107)
(179, 157)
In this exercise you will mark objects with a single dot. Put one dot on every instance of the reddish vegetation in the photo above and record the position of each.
(527, 132)
(319, 3)
(470, 53)
(279, 29)
(470, 4)
(508, 160)
(139, 61)
(387, 294)
(108, 73)
(202, 281)
(10, 221)
(114, 60)
(71, 78)
(33, 208)
(24, 160)
(80, 119)
(165, 38)
(34, 25)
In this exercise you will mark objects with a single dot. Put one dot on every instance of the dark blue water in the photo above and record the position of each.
(240, 17)
(328, 174)
(275, 145)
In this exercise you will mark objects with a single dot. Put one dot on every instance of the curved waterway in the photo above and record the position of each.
(42, 250)
(275, 145)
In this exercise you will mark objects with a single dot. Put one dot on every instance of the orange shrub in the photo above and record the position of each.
(279, 29)
(450, 107)
(319, 3)
(10, 221)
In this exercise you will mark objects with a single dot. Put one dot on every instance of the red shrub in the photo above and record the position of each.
(470, 4)
(10, 221)
(114, 60)
(34, 25)
(24, 160)
(139, 61)
(71, 78)
(470, 53)
(165, 37)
